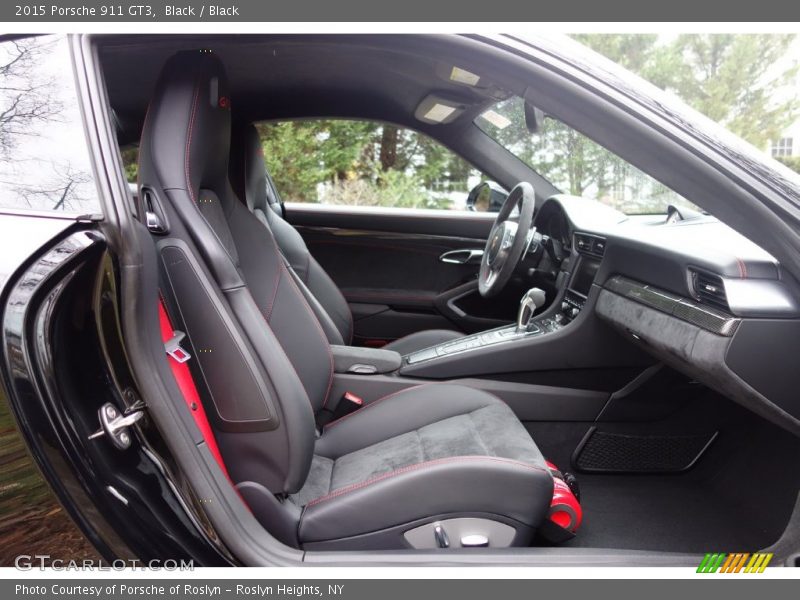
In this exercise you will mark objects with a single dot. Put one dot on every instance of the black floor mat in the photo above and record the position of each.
(662, 513)
(737, 498)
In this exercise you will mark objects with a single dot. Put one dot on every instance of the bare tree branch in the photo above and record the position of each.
(60, 191)
(26, 98)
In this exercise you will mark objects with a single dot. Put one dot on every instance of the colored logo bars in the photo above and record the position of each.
(742, 562)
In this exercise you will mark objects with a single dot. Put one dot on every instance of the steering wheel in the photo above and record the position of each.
(507, 241)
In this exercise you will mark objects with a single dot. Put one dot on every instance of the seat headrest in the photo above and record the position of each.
(185, 141)
(248, 171)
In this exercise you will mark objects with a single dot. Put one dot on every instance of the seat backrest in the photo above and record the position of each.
(254, 186)
(250, 178)
(257, 348)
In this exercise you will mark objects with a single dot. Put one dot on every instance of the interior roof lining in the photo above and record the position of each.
(389, 77)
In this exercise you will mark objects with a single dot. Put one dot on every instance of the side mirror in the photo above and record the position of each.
(487, 196)
(681, 213)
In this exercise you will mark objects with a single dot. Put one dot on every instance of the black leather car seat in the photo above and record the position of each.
(253, 184)
(394, 474)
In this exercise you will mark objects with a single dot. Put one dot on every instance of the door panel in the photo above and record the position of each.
(447, 223)
(387, 262)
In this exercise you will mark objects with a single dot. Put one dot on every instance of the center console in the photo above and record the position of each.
(471, 342)
(575, 296)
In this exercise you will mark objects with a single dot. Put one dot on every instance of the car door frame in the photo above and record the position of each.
(232, 521)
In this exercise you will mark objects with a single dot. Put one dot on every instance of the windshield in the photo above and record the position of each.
(574, 164)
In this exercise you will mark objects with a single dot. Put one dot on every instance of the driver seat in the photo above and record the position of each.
(253, 184)
(401, 471)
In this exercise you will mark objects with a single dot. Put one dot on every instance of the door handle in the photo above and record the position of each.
(462, 257)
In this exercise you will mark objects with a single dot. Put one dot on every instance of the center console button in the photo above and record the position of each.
(533, 328)
(454, 347)
(491, 337)
(422, 355)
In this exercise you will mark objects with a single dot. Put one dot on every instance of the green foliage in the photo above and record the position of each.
(394, 188)
(292, 154)
(361, 163)
(635, 52)
(793, 162)
(729, 78)
(130, 164)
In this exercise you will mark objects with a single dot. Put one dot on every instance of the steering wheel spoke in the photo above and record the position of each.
(489, 275)
(507, 241)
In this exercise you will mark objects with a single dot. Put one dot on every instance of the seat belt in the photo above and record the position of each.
(177, 357)
(348, 403)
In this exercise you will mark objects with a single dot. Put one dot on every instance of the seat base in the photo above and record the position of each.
(427, 453)
(418, 535)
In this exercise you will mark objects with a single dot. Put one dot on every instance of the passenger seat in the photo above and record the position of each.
(254, 185)
(433, 466)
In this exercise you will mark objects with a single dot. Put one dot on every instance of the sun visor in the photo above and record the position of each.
(466, 78)
(435, 109)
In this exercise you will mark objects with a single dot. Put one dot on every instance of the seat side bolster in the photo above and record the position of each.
(433, 489)
(331, 298)
(328, 326)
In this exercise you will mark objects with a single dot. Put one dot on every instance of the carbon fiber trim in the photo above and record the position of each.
(708, 318)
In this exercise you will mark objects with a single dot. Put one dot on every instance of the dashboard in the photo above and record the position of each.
(694, 294)
(557, 228)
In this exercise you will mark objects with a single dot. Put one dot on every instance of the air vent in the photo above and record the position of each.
(592, 245)
(710, 289)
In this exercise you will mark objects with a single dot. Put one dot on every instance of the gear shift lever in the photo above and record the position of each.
(533, 299)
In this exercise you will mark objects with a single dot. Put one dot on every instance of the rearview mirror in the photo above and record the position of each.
(534, 118)
(487, 196)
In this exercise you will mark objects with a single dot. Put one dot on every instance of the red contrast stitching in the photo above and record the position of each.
(324, 337)
(187, 153)
(351, 328)
(288, 361)
(417, 466)
(278, 272)
(378, 401)
(279, 258)
(281, 269)
(742, 268)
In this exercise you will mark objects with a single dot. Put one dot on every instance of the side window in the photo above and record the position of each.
(362, 163)
(44, 158)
